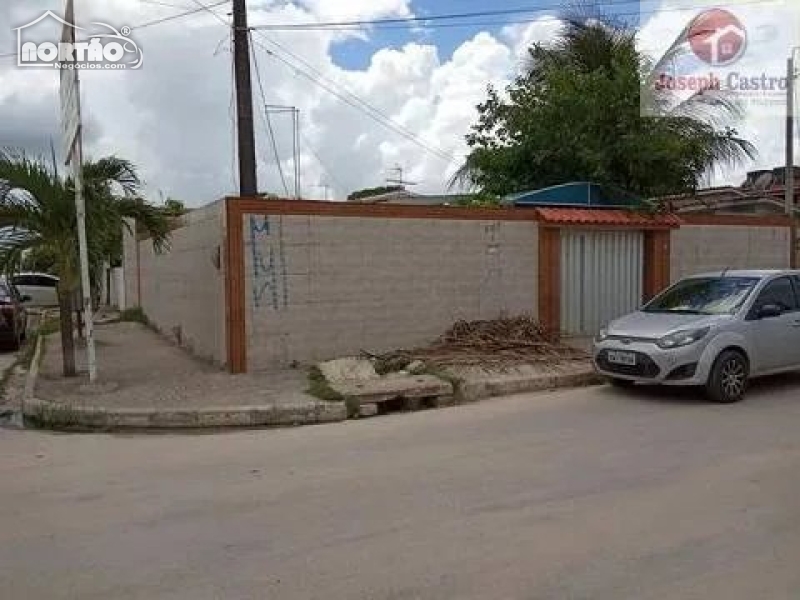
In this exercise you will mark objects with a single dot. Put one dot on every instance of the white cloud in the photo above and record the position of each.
(173, 119)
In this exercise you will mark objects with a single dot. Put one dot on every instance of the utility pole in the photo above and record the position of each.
(789, 177)
(248, 182)
(295, 136)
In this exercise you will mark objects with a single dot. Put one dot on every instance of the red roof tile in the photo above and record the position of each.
(609, 217)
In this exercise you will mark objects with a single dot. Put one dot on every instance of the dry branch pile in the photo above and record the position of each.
(500, 342)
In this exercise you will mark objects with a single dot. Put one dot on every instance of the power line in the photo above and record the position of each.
(187, 13)
(270, 130)
(158, 21)
(404, 20)
(170, 5)
(326, 83)
(362, 106)
(434, 21)
(373, 112)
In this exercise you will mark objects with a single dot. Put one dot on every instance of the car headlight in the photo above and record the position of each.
(683, 338)
(602, 335)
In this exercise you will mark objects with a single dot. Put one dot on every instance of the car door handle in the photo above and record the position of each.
(796, 323)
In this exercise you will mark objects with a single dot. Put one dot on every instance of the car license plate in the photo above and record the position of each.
(622, 358)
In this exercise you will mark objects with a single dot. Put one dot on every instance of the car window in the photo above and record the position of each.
(22, 279)
(780, 293)
(704, 296)
(42, 281)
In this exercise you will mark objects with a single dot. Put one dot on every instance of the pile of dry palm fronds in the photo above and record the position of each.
(504, 341)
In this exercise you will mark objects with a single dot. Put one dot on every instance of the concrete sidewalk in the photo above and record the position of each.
(146, 382)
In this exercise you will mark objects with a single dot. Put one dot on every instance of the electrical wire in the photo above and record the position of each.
(268, 120)
(158, 21)
(348, 97)
(433, 21)
(158, 3)
(316, 78)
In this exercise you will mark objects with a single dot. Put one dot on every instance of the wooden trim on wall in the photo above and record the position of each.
(736, 220)
(550, 279)
(657, 261)
(261, 206)
(235, 306)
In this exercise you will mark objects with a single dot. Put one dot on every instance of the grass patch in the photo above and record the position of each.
(49, 327)
(458, 393)
(24, 359)
(134, 315)
(319, 387)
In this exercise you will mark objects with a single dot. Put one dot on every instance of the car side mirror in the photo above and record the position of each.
(769, 311)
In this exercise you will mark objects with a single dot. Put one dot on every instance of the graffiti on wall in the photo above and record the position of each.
(268, 257)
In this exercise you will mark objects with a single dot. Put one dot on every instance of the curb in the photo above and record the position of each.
(51, 415)
(490, 387)
(33, 371)
(59, 416)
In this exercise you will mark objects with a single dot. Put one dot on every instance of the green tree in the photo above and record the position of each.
(174, 207)
(37, 214)
(374, 191)
(575, 114)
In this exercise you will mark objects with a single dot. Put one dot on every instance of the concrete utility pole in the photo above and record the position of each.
(789, 199)
(70, 96)
(248, 182)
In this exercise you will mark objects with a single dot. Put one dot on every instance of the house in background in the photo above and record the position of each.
(404, 196)
(762, 193)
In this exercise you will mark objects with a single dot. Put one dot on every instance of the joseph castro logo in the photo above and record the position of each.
(109, 48)
(717, 37)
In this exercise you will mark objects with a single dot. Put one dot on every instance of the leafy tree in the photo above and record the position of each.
(37, 214)
(375, 191)
(575, 114)
(174, 207)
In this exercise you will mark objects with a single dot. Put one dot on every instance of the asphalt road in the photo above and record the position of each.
(586, 494)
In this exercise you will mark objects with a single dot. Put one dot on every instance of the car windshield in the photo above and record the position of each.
(704, 296)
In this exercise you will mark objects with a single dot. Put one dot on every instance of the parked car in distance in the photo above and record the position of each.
(41, 287)
(13, 316)
(716, 330)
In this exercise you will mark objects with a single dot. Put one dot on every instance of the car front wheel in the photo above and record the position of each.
(727, 382)
(621, 383)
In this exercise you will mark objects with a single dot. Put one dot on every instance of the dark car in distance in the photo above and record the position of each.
(13, 316)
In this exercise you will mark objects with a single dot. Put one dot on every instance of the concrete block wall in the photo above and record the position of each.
(182, 290)
(699, 248)
(318, 287)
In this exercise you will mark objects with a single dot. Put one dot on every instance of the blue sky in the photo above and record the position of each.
(356, 54)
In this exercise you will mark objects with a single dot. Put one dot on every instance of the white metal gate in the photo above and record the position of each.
(601, 277)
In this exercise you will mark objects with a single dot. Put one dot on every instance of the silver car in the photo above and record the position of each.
(715, 330)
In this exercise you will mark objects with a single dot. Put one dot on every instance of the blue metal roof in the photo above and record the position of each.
(579, 193)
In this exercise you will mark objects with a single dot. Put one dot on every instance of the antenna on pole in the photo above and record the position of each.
(398, 179)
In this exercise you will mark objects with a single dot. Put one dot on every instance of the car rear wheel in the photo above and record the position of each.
(727, 382)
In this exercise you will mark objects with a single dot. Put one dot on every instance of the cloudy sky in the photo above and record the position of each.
(173, 117)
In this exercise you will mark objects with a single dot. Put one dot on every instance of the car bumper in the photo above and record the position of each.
(678, 366)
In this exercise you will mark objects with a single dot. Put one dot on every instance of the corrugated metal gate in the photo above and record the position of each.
(601, 277)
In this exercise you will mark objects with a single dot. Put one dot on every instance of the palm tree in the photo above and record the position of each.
(37, 213)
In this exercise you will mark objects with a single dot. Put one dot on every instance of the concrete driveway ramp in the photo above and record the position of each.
(357, 380)
(391, 387)
(348, 369)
